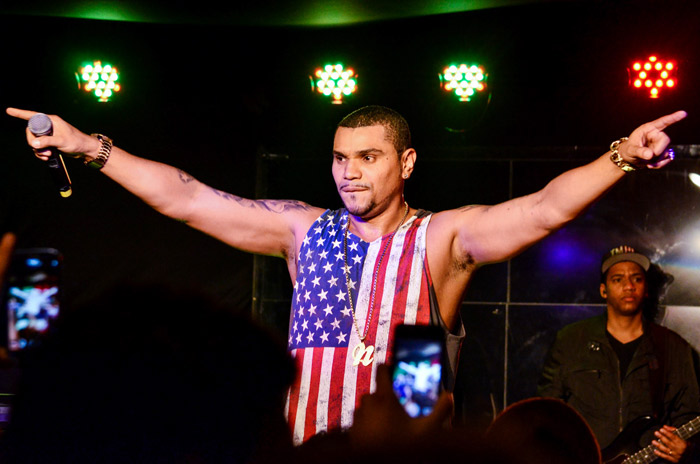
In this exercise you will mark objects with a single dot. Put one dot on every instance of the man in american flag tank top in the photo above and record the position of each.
(404, 265)
(334, 373)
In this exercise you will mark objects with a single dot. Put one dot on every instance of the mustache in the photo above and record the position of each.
(353, 185)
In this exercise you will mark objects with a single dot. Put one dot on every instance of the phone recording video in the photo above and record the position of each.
(417, 367)
(32, 296)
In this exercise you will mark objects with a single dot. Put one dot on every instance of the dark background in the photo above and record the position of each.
(227, 98)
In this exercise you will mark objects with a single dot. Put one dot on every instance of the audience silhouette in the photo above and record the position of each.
(148, 374)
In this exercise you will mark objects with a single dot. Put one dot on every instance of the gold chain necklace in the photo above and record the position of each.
(361, 353)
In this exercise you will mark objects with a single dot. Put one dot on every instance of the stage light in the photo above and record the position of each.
(334, 81)
(654, 74)
(465, 81)
(695, 179)
(99, 79)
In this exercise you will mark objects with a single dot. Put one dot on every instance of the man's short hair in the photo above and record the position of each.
(395, 126)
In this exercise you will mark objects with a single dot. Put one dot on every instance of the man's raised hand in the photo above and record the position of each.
(647, 146)
(65, 138)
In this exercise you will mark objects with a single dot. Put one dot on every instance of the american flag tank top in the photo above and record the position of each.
(322, 335)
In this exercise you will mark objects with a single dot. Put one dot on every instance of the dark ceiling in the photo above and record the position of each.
(562, 63)
(268, 13)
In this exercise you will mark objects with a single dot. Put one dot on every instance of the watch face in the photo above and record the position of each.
(104, 139)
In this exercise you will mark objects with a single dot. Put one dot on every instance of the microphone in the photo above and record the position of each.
(39, 125)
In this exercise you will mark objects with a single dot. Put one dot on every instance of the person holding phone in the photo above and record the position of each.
(419, 357)
(378, 262)
(151, 374)
(7, 246)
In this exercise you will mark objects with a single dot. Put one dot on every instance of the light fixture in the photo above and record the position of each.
(334, 81)
(653, 75)
(99, 79)
(465, 81)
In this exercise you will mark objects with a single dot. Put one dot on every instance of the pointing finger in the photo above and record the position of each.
(664, 121)
(21, 114)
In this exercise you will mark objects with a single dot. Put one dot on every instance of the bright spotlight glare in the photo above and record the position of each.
(695, 179)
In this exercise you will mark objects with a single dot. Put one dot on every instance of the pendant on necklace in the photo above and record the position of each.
(362, 354)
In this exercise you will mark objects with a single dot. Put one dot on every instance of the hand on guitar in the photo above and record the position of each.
(669, 446)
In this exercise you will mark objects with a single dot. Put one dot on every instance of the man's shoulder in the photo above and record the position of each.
(576, 341)
(669, 335)
(328, 217)
(324, 222)
(421, 216)
(589, 326)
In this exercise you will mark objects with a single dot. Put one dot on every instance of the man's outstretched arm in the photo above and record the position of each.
(483, 234)
(260, 226)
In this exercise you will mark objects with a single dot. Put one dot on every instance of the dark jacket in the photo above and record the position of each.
(583, 370)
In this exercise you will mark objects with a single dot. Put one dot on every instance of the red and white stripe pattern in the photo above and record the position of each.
(322, 335)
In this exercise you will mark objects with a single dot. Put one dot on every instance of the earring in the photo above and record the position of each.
(405, 176)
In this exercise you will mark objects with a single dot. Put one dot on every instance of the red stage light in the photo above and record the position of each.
(654, 74)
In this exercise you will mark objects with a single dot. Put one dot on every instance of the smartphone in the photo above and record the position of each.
(32, 296)
(418, 360)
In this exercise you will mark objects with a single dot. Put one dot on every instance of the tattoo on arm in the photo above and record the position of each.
(184, 177)
(274, 206)
(467, 208)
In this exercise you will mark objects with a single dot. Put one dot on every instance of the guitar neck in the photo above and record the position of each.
(646, 455)
(688, 430)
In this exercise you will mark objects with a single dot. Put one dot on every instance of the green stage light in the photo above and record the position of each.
(99, 79)
(465, 81)
(654, 74)
(334, 81)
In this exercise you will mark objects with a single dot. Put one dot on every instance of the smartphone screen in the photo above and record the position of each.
(417, 367)
(32, 296)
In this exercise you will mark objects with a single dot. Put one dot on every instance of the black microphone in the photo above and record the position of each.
(39, 125)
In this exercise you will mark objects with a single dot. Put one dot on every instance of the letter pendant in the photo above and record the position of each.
(362, 354)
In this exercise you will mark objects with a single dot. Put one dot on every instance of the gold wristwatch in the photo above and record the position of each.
(102, 155)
